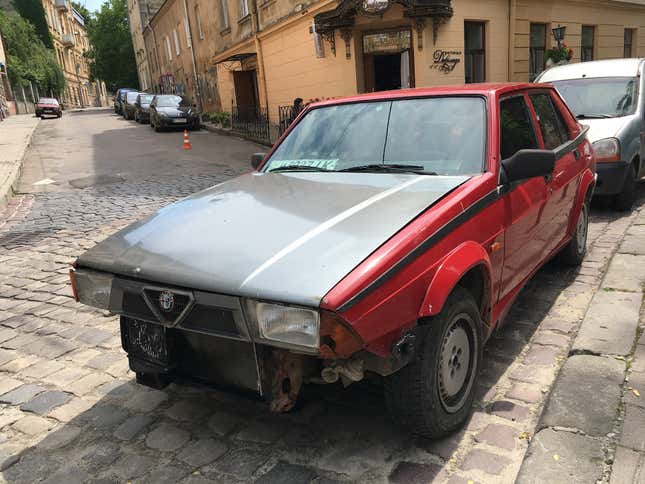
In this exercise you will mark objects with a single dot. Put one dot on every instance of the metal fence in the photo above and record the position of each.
(25, 98)
(251, 122)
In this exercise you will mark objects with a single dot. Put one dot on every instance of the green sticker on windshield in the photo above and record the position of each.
(330, 164)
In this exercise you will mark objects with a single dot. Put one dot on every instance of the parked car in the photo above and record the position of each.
(119, 97)
(172, 111)
(337, 256)
(48, 105)
(142, 107)
(608, 97)
(129, 107)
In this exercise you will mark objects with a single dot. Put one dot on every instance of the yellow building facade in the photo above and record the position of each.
(259, 55)
(67, 28)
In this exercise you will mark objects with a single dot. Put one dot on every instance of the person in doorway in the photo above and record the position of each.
(296, 108)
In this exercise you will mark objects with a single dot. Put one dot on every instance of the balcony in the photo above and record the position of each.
(67, 40)
(62, 5)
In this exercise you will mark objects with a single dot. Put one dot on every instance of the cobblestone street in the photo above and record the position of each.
(70, 410)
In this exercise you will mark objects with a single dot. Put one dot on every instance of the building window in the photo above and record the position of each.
(200, 32)
(629, 42)
(176, 38)
(168, 48)
(244, 8)
(537, 48)
(588, 33)
(475, 53)
(225, 22)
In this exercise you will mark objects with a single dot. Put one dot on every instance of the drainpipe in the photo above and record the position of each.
(258, 50)
(192, 56)
(512, 13)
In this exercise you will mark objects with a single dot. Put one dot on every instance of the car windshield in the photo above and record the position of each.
(145, 99)
(440, 135)
(600, 97)
(132, 96)
(47, 100)
(172, 101)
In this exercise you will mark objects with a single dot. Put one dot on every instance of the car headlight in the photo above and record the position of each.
(607, 149)
(282, 325)
(163, 115)
(91, 287)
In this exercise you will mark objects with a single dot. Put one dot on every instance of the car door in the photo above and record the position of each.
(525, 201)
(561, 186)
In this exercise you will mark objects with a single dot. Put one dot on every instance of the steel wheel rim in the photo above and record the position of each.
(581, 230)
(457, 363)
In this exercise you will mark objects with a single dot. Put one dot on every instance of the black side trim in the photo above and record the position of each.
(571, 145)
(463, 217)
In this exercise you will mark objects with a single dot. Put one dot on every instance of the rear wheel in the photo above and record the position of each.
(574, 252)
(625, 199)
(433, 395)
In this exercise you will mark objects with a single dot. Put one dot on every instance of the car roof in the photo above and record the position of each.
(484, 89)
(601, 68)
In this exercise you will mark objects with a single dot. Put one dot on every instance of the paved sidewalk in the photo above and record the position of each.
(593, 426)
(15, 136)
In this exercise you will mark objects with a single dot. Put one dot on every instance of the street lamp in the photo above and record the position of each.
(558, 34)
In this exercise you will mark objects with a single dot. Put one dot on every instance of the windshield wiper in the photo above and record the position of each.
(299, 168)
(390, 167)
(594, 116)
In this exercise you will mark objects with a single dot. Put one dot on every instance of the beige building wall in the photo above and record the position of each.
(138, 44)
(69, 36)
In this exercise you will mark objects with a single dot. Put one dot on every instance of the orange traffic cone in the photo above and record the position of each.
(187, 145)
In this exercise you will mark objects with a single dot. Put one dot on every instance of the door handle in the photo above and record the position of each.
(576, 154)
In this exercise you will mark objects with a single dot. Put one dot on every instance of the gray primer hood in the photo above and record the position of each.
(281, 236)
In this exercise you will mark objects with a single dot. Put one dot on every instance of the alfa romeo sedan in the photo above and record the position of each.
(386, 233)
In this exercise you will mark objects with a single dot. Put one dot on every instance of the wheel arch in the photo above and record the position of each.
(585, 192)
(467, 266)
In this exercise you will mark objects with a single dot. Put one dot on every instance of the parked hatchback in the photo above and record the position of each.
(48, 105)
(129, 107)
(173, 111)
(142, 107)
(386, 233)
(608, 96)
(119, 98)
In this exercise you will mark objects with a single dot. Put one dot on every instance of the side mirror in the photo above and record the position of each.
(526, 164)
(256, 159)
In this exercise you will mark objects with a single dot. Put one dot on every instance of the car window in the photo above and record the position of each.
(549, 120)
(145, 99)
(132, 96)
(604, 97)
(445, 135)
(516, 129)
(170, 101)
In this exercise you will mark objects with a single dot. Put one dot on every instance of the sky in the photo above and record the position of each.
(92, 5)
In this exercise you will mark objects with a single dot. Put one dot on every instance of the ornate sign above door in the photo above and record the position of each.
(342, 17)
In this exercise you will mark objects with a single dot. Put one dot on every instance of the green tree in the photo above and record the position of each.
(111, 55)
(27, 57)
(33, 11)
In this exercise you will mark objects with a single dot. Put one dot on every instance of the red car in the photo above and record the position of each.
(48, 105)
(385, 233)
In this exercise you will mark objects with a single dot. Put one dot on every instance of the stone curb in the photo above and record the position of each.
(15, 166)
(576, 435)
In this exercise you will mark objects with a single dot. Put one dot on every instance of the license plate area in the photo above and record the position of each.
(180, 120)
(146, 341)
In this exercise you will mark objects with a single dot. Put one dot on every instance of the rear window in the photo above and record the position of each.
(516, 130)
(443, 135)
(552, 127)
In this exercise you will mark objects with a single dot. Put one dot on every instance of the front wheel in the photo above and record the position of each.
(433, 395)
(574, 252)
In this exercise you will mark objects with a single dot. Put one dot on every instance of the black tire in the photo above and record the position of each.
(419, 396)
(625, 199)
(60, 115)
(152, 380)
(574, 252)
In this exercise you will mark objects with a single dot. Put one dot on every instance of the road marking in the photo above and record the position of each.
(329, 224)
(44, 181)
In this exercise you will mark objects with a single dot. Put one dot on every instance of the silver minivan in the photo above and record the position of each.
(608, 96)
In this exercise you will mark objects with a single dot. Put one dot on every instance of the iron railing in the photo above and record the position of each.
(251, 122)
